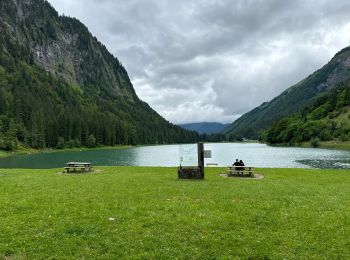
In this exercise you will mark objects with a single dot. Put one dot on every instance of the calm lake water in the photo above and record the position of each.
(259, 155)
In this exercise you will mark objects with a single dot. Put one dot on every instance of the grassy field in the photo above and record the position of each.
(146, 213)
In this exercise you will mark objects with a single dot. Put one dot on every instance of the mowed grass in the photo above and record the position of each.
(290, 214)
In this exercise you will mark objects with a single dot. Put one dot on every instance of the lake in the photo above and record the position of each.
(253, 154)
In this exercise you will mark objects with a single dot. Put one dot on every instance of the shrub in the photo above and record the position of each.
(70, 143)
(91, 141)
(77, 143)
(60, 143)
(344, 137)
(315, 142)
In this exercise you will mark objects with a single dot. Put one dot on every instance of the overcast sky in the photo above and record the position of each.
(214, 60)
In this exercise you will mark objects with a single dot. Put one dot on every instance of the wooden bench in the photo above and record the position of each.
(212, 165)
(78, 166)
(241, 170)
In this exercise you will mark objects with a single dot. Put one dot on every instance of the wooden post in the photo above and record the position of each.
(201, 158)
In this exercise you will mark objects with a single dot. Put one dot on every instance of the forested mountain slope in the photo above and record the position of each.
(205, 127)
(255, 122)
(327, 119)
(59, 86)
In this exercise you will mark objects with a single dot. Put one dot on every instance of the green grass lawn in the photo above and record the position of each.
(290, 214)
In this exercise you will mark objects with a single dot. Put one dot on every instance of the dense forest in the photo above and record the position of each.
(40, 110)
(327, 119)
(43, 105)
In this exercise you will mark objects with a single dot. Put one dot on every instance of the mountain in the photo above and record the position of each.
(326, 120)
(59, 86)
(205, 127)
(255, 122)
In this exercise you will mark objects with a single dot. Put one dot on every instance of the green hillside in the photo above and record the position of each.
(255, 122)
(327, 119)
(205, 127)
(60, 87)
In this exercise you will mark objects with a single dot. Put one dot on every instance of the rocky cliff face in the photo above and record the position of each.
(67, 49)
(60, 87)
(339, 71)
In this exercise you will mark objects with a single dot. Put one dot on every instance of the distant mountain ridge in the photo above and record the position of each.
(254, 123)
(205, 127)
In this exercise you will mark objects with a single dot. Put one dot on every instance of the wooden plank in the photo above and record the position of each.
(241, 170)
(78, 163)
(76, 168)
(234, 167)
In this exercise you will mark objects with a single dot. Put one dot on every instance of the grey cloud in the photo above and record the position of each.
(215, 59)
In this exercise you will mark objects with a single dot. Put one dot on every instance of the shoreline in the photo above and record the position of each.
(27, 151)
(332, 145)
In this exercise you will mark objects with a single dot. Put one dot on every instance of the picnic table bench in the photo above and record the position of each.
(241, 170)
(78, 166)
(212, 165)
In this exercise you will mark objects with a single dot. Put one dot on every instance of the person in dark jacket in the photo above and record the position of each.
(241, 163)
(236, 163)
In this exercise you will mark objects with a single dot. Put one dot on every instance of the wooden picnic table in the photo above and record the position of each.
(78, 166)
(241, 170)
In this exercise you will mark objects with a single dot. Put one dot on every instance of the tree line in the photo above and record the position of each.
(327, 119)
(39, 109)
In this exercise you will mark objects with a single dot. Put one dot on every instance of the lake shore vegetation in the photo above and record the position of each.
(326, 123)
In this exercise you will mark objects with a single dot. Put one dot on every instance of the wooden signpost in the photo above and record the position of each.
(201, 158)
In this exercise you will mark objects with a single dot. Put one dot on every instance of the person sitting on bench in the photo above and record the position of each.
(236, 163)
(241, 163)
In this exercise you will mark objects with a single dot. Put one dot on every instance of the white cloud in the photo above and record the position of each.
(207, 60)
